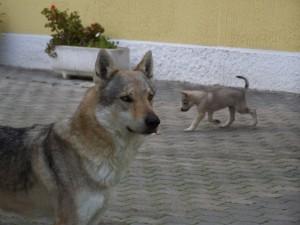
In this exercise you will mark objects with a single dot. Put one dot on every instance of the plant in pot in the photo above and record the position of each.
(1, 14)
(74, 48)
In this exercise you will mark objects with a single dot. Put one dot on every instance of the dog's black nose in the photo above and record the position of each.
(152, 121)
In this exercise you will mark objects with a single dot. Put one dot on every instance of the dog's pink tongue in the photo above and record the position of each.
(157, 132)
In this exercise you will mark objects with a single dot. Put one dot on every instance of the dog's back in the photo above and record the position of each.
(222, 97)
(19, 188)
(15, 165)
(15, 156)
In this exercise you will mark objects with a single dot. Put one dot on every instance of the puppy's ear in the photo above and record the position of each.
(184, 93)
(103, 67)
(146, 65)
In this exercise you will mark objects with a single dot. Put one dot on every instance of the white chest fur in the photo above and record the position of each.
(89, 205)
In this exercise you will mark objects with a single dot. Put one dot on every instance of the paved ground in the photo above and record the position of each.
(236, 176)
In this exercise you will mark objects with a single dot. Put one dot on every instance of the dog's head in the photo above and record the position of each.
(125, 96)
(186, 101)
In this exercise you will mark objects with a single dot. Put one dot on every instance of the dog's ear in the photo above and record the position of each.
(103, 67)
(146, 65)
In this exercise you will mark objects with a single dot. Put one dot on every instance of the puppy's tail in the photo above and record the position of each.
(246, 81)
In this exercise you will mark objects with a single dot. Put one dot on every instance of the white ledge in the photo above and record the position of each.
(265, 69)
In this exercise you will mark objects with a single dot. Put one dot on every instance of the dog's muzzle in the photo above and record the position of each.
(151, 124)
(151, 121)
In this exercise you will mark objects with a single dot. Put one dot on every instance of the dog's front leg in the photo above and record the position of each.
(196, 122)
(97, 218)
(65, 211)
(85, 207)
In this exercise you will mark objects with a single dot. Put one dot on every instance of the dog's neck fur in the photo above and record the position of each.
(86, 132)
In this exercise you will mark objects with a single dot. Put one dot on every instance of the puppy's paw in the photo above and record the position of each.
(216, 121)
(254, 124)
(224, 126)
(188, 129)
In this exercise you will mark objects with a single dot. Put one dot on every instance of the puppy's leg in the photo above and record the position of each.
(196, 122)
(231, 117)
(252, 112)
(210, 118)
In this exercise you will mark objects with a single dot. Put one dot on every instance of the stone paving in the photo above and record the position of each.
(235, 176)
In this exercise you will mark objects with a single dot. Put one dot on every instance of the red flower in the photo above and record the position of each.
(53, 7)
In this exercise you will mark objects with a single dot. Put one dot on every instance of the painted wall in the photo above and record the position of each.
(261, 24)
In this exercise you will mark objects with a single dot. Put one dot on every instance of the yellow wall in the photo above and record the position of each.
(264, 24)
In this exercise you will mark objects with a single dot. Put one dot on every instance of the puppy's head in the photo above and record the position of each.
(186, 101)
(125, 96)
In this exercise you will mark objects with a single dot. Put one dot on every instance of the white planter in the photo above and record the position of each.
(80, 61)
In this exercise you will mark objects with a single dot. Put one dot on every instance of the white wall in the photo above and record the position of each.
(266, 70)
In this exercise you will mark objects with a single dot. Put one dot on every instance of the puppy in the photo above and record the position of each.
(216, 98)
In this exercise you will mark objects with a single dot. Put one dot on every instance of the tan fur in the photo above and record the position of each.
(85, 127)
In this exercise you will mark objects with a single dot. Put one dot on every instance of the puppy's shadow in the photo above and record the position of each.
(236, 128)
(104, 222)
(244, 129)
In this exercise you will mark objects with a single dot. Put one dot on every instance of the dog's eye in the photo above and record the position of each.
(126, 98)
(150, 97)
